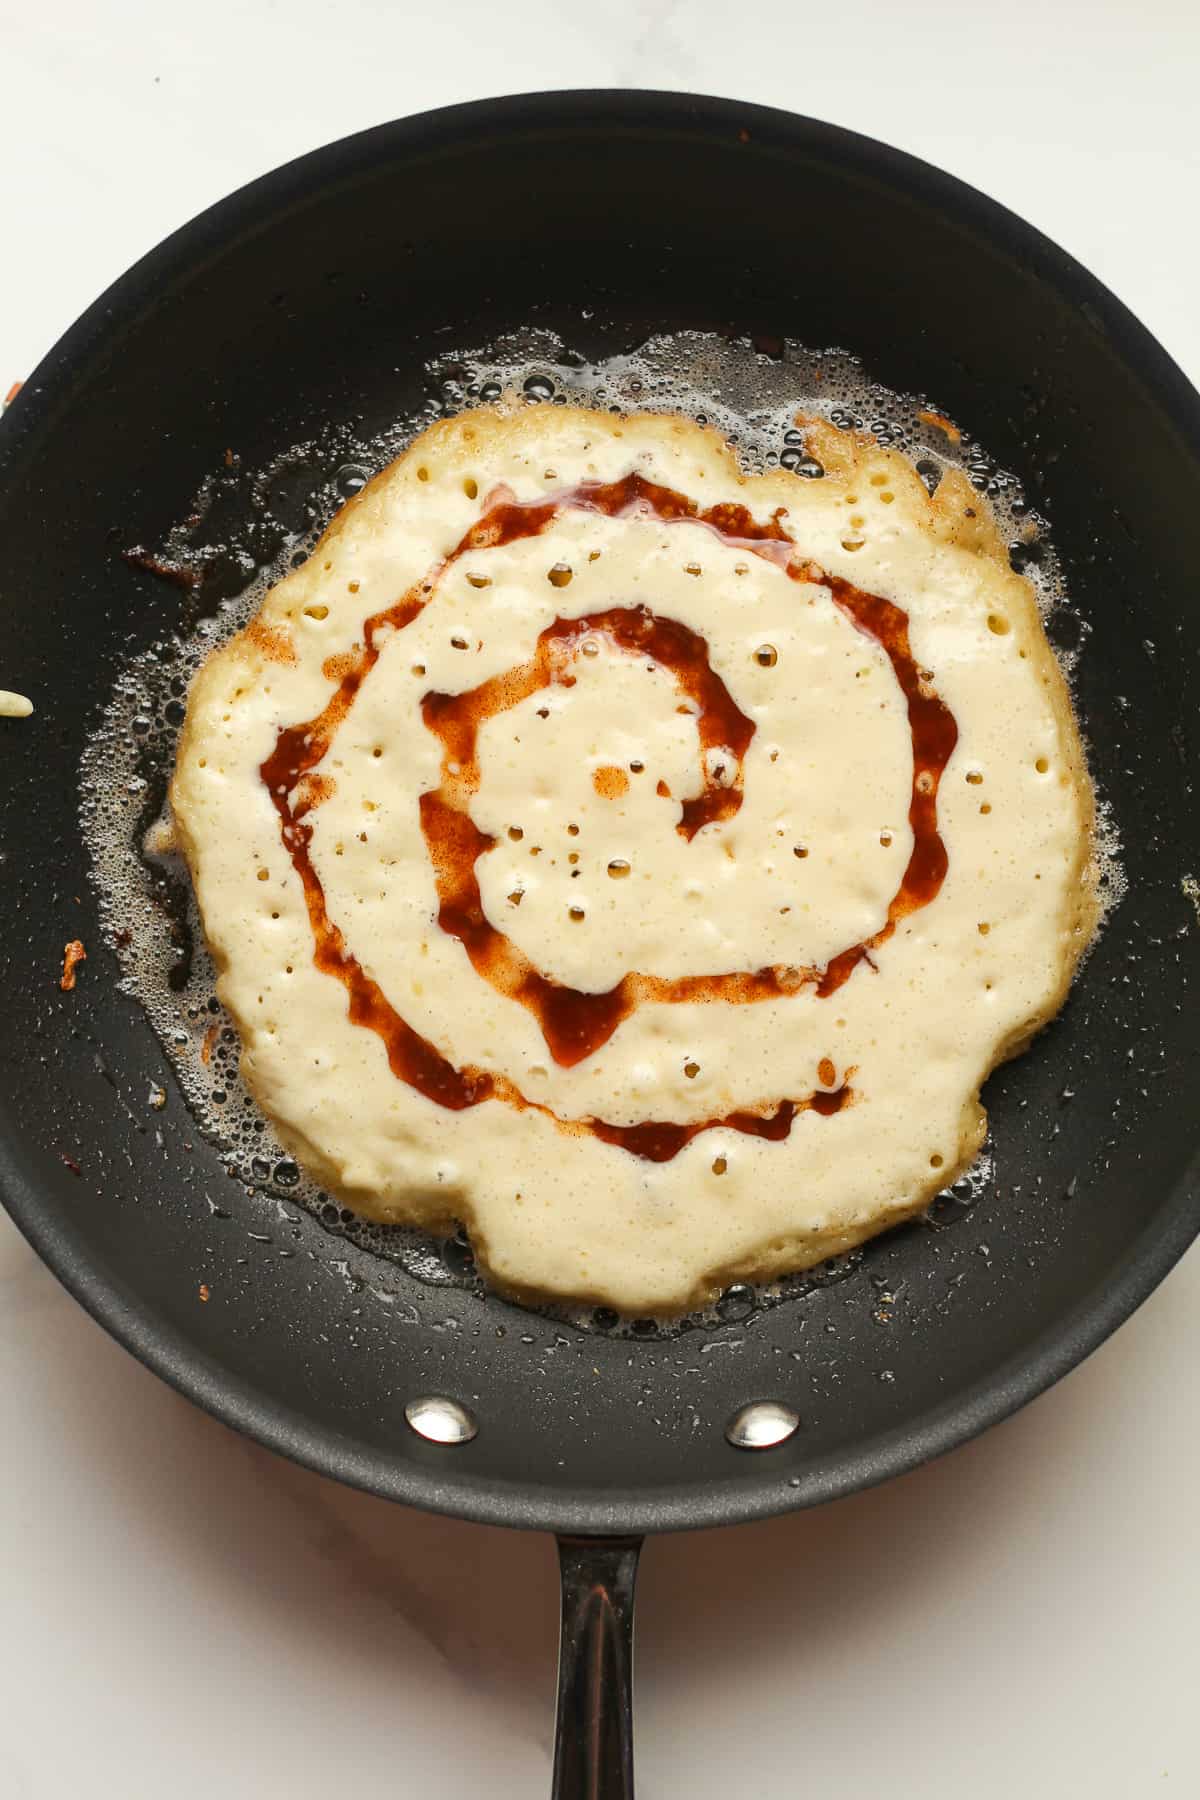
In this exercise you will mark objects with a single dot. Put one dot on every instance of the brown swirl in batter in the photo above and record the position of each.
(576, 1023)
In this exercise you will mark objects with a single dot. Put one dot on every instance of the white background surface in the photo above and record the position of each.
(182, 1614)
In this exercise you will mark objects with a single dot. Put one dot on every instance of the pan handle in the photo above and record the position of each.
(593, 1749)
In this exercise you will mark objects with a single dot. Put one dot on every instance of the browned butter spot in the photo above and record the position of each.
(610, 782)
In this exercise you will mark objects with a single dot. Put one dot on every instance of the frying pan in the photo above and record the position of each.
(316, 294)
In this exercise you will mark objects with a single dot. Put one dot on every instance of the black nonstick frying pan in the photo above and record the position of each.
(317, 293)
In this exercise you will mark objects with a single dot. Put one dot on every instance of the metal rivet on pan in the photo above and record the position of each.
(440, 1420)
(761, 1425)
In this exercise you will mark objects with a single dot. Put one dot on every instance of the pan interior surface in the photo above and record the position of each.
(247, 332)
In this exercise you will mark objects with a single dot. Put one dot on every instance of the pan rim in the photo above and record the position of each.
(772, 1484)
(435, 1483)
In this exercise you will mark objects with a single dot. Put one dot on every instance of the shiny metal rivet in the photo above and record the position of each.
(440, 1420)
(761, 1425)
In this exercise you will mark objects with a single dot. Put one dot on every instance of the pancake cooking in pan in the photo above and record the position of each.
(642, 862)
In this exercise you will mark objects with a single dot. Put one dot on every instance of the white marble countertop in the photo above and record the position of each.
(182, 1613)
